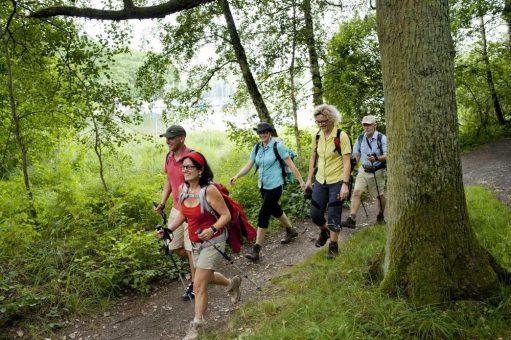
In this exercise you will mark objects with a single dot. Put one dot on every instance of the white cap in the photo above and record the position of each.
(369, 120)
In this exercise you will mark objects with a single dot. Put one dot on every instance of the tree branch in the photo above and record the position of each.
(11, 16)
(205, 83)
(129, 12)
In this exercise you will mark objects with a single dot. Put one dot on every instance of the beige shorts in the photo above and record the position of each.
(208, 257)
(365, 181)
(181, 238)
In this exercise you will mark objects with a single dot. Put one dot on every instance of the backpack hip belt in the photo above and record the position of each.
(218, 239)
(372, 169)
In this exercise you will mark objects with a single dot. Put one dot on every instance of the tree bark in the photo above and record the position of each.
(489, 76)
(98, 150)
(241, 58)
(16, 122)
(432, 254)
(506, 13)
(293, 90)
(317, 87)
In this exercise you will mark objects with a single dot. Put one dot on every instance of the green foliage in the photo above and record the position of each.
(324, 299)
(90, 246)
(353, 80)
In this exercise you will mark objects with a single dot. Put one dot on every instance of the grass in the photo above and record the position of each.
(322, 299)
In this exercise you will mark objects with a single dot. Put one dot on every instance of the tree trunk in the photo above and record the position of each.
(506, 13)
(98, 150)
(16, 123)
(317, 87)
(489, 75)
(293, 90)
(241, 58)
(432, 254)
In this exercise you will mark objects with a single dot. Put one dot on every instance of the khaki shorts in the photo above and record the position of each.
(365, 181)
(181, 238)
(208, 257)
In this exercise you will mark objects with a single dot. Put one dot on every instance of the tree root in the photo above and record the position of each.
(502, 273)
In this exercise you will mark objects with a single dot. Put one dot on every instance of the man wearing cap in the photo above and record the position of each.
(180, 244)
(371, 150)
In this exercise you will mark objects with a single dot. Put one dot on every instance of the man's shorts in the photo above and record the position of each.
(365, 181)
(208, 257)
(181, 238)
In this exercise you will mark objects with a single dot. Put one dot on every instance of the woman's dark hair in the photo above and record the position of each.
(207, 175)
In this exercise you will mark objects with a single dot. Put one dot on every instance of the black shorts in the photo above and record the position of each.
(270, 206)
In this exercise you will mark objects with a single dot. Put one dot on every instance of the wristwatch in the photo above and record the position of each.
(215, 230)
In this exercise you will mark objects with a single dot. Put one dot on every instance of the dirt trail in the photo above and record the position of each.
(163, 315)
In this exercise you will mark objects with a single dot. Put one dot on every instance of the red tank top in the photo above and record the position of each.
(197, 221)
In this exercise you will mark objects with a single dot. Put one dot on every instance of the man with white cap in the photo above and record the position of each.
(371, 150)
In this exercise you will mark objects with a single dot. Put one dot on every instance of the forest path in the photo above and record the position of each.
(163, 315)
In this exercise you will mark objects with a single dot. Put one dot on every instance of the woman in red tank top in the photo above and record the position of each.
(204, 226)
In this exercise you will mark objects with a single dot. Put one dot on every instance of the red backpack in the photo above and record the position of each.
(239, 227)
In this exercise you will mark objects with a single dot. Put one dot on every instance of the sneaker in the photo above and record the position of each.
(324, 235)
(333, 250)
(350, 223)
(233, 289)
(380, 219)
(195, 329)
(189, 294)
(291, 233)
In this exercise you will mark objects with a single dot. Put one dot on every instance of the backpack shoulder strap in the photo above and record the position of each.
(317, 140)
(184, 193)
(204, 205)
(281, 162)
(337, 142)
(257, 146)
(378, 142)
(360, 139)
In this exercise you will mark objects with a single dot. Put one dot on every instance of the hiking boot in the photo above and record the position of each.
(189, 293)
(254, 255)
(291, 233)
(380, 219)
(324, 235)
(233, 289)
(195, 329)
(350, 223)
(333, 250)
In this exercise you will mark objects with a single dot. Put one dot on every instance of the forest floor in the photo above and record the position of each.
(163, 315)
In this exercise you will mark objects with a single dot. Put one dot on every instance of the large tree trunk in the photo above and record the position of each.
(489, 76)
(432, 254)
(506, 13)
(317, 87)
(241, 58)
(16, 123)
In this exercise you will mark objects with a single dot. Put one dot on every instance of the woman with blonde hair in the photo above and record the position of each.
(330, 163)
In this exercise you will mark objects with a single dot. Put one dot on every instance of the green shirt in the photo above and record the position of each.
(329, 163)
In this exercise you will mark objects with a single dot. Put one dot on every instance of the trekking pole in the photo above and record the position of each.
(377, 190)
(166, 240)
(364, 206)
(230, 260)
(307, 195)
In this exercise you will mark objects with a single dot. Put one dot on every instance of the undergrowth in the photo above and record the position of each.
(322, 299)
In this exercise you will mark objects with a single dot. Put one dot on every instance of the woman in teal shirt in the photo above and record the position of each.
(270, 184)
